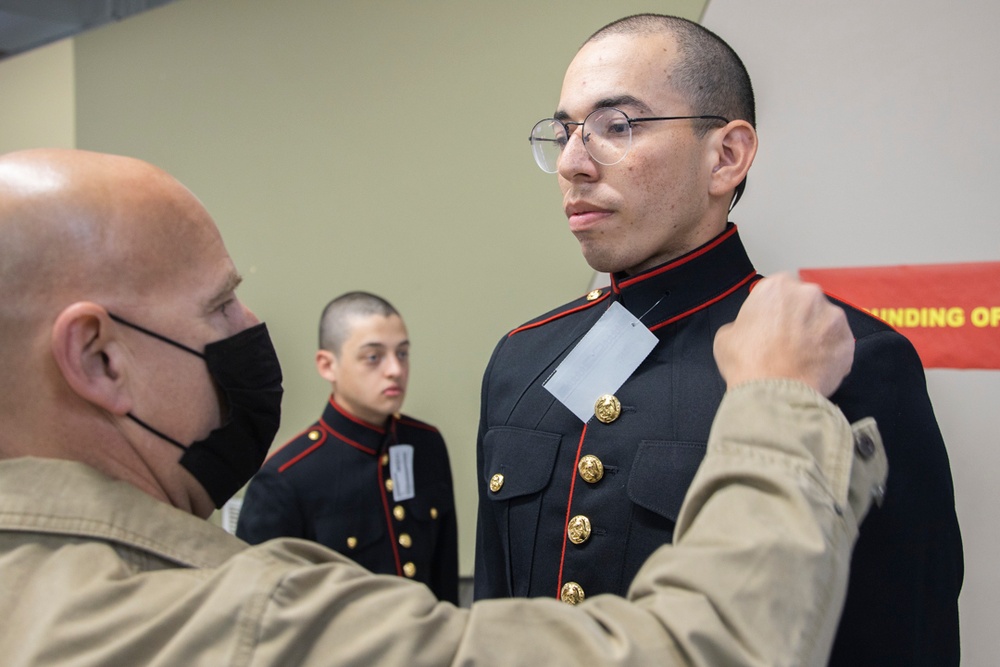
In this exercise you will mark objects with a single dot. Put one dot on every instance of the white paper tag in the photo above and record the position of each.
(601, 362)
(401, 470)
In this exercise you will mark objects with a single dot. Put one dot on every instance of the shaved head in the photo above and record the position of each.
(75, 222)
(80, 225)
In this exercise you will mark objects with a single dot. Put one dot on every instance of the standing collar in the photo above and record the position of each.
(682, 286)
(348, 428)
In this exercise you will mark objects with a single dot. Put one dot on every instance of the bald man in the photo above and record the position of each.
(137, 393)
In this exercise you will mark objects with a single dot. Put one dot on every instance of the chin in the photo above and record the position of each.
(600, 260)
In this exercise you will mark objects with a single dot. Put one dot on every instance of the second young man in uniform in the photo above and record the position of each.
(364, 480)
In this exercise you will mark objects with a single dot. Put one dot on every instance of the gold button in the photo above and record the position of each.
(385, 459)
(314, 435)
(607, 408)
(388, 485)
(591, 469)
(434, 512)
(405, 540)
(399, 512)
(579, 529)
(593, 294)
(410, 570)
(571, 593)
(496, 482)
(352, 542)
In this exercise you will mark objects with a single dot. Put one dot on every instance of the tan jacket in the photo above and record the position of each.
(95, 572)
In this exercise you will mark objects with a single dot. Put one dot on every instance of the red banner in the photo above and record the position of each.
(950, 312)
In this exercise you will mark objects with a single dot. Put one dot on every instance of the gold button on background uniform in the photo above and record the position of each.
(591, 469)
(385, 459)
(572, 593)
(496, 482)
(607, 408)
(410, 570)
(399, 512)
(405, 540)
(434, 512)
(593, 294)
(314, 435)
(388, 485)
(579, 529)
(352, 542)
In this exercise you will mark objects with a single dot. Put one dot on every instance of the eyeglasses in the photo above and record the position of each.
(606, 134)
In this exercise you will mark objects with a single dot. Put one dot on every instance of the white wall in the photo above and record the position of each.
(877, 145)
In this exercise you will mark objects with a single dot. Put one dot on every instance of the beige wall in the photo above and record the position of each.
(37, 108)
(362, 145)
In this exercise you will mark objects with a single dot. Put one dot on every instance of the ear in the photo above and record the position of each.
(734, 148)
(326, 365)
(90, 357)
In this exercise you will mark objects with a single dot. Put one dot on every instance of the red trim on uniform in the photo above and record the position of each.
(558, 315)
(344, 438)
(294, 438)
(388, 520)
(569, 508)
(831, 295)
(292, 461)
(416, 424)
(705, 304)
(678, 262)
(346, 415)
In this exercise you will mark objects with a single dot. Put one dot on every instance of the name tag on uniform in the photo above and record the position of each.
(401, 470)
(601, 362)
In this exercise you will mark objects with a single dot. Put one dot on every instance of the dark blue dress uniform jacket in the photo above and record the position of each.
(329, 485)
(907, 568)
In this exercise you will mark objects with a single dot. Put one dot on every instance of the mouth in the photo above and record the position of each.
(583, 216)
(393, 391)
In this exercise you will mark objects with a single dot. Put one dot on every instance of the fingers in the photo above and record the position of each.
(786, 329)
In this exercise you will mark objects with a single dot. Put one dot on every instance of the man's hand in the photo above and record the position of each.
(786, 329)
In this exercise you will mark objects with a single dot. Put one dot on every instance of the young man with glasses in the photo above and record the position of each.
(595, 415)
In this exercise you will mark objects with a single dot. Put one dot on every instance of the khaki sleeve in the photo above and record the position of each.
(757, 575)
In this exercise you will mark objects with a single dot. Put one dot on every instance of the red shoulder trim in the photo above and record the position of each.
(583, 306)
(304, 453)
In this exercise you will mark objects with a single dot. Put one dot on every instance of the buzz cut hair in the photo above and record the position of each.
(335, 322)
(709, 73)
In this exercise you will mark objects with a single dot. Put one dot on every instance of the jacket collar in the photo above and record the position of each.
(61, 497)
(348, 428)
(680, 287)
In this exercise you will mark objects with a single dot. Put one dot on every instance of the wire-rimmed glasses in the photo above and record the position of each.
(606, 133)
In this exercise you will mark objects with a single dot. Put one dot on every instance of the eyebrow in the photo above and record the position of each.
(232, 281)
(616, 102)
(383, 346)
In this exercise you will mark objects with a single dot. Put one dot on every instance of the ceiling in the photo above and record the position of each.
(27, 24)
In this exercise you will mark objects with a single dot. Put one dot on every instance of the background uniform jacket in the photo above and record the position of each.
(332, 484)
(95, 572)
(902, 603)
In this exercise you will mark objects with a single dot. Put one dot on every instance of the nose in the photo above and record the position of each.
(249, 317)
(393, 366)
(575, 161)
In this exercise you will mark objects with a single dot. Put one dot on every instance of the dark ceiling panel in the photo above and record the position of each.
(28, 24)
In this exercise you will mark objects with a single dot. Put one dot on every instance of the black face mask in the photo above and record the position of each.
(245, 367)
